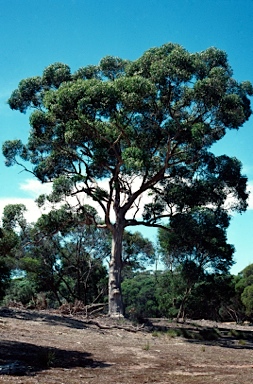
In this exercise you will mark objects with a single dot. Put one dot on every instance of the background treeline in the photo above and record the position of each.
(62, 260)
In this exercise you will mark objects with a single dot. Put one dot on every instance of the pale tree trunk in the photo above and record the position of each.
(116, 308)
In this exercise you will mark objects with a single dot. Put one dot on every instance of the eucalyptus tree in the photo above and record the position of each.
(198, 238)
(54, 254)
(124, 130)
(79, 251)
(195, 245)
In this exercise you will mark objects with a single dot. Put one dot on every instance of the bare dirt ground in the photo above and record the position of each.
(46, 348)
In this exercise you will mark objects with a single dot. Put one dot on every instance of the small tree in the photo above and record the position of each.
(212, 298)
(9, 243)
(195, 244)
(65, 257)
(121, 130)
(198, 237)
(140, 296)
(244, 288)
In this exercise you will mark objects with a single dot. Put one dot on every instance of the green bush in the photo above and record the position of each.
(20, 290)
(4, 277)
(139, 295)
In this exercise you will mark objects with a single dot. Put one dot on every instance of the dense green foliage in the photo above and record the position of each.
(9, 244)
(62, 258)
(161, 294)
(140, 296)
(56, 261)
(198, 236)
(244, 287)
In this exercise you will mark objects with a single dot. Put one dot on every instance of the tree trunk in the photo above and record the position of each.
(116, 308)
(181, 311)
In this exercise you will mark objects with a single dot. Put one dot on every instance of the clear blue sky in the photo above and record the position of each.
(36, 33)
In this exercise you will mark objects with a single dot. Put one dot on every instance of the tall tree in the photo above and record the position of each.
(123, 130)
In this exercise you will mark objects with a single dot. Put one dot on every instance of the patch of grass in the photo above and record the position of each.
(238, 334)
(234, 333)
(189, 334)
(172, 333)
(146, 347)
(186, 333)
(47, 358)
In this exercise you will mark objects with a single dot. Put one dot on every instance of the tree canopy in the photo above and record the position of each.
(198, 237)
(122, 130)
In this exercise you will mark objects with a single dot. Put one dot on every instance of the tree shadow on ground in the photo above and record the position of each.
(222, 336)
(51, 319)
(30, 358)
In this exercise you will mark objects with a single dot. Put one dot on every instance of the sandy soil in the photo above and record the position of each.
(46, 348)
